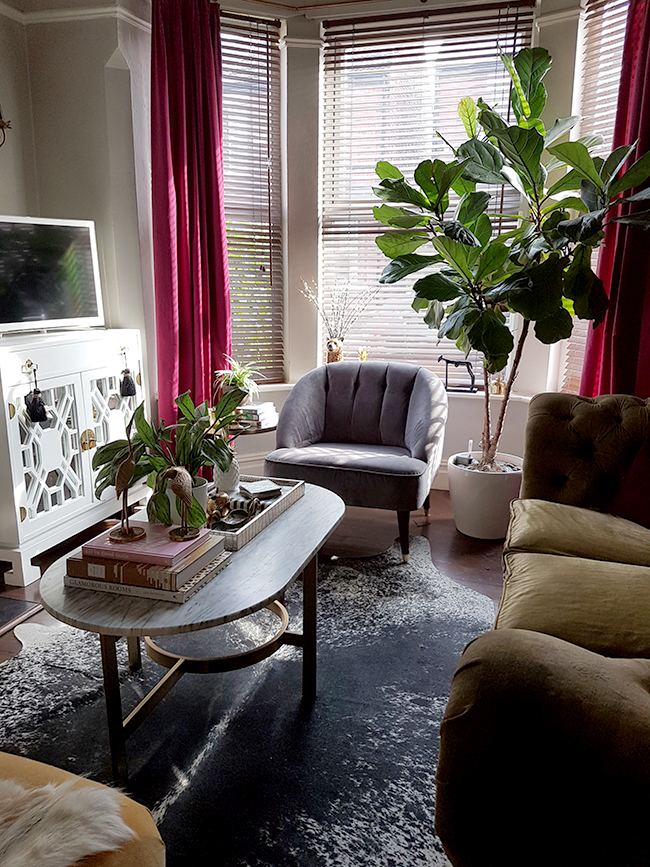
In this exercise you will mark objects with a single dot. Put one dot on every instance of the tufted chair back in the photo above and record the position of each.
(368, 402)
(589, 452)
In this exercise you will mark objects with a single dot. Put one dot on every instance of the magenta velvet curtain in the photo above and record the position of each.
(189, 234)
(617, 358)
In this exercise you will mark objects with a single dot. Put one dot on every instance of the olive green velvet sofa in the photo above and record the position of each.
(545, 742)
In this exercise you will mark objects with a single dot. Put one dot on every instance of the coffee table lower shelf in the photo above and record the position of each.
(120, 729)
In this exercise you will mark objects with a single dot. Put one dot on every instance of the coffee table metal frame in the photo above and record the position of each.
(256, 577)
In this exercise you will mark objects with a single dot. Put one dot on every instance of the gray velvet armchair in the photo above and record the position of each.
(370, 431)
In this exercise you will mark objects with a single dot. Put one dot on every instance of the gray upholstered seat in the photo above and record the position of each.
(370, 431)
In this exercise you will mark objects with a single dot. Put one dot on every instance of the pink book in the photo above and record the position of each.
(156, 547)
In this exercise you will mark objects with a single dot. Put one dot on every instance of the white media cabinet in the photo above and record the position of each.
(46, 477)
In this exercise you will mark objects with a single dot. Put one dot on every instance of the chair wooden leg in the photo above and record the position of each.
(403, 519)
(427, 505)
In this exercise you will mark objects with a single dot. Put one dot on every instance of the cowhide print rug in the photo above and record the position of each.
(236, 771)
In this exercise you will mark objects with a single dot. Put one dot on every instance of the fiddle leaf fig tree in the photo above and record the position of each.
(471, 275)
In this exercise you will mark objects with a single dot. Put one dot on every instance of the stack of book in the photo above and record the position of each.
(258, 415)
(153, 567)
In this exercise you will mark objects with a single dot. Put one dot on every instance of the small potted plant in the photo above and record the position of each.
(238, 376)
(540, 269)
(194, 442)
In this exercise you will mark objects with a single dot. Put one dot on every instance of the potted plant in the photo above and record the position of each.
(237, 376)
(194, 442)
(540, 269)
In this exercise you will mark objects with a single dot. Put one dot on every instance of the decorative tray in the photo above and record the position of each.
(292, 490)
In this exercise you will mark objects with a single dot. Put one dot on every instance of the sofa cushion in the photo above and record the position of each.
(381, 477)
(553, 528)
(598, 605)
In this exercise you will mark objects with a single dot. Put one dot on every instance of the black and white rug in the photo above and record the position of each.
(236, 771)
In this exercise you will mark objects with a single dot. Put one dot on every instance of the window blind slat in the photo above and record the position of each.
(387, 87)
(603, 36)
(252, 189)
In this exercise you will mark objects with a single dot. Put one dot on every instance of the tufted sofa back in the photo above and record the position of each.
(589, 452)
(370, 402)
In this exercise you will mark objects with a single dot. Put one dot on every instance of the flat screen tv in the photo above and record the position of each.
(49, 274)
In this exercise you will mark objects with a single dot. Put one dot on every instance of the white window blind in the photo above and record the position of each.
(252, 184)
(388, 85)
(603, 35)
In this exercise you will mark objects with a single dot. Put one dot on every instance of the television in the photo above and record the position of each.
(49, 274)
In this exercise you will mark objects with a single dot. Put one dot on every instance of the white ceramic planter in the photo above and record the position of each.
(199, 490)
(228, 482)
(480, 501)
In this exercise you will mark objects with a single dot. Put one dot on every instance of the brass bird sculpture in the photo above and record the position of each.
(180, 482)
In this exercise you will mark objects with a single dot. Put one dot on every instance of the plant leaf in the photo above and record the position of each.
(614, 162)
(489, 334)
(485, 162)
(456, 254)
(492, 259)
(467, 114)
(394, 244)
(523, 148)
(556, 327)
(437, 287)
(576, 154)
(561, 126)
(399, 191)
(634, 176)
(398, 217)
(403, 265)
(641, 220)
(471, 207)
(386, 170)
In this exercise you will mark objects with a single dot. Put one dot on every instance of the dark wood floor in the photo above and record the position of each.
(363, 533)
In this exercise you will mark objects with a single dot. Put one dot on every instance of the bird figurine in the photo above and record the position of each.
(123, 478)
(180, 482)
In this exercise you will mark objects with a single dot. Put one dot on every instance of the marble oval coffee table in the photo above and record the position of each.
(256, 577)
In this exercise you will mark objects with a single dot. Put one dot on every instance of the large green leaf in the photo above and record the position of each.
(399, 217)
(519, 99)
(536, 292)
(394, 244)
(641, 196)
(434, 314)
(640, 220)
(399, 191)
(404, 265)
(492, 259)
(186, 405)
(570, 181)
(158, 509)
(437, 287)
(634, 176)
(386, 170)
(532, 64)
(556, 327)
(582, 227)
(459, 315)
(561, 126)
(523, 148)
(575, 154)
(145, 431)
(456, 230)
(467, 114)
(458, 255)
(483, 229)
(614, 162)
(489, 334)
(584, 288)
(485, 162)
(471, 207)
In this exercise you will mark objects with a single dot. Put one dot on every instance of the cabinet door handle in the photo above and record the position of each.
(12, 410)
(88, 440)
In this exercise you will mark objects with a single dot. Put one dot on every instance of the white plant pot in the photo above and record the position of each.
(228, 482)
(199, 490)
(481, 501)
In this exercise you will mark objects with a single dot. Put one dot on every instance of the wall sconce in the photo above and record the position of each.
(4, 125)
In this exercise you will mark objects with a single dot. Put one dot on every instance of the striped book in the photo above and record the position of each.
(184, 592)
(146, 574)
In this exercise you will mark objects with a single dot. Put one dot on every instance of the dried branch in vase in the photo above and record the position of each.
(345, 306)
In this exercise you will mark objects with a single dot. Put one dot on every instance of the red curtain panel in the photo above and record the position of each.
(617, 358)
(189, 233)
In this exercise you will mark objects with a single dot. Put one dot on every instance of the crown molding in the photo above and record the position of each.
(52, 16)
(558, 17)
(295, 42)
